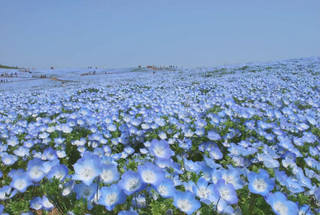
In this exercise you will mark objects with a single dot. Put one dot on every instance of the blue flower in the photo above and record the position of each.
(317, 194)
(46, 204)
(207, 193)
(109, 173)
(150, 173)
(131, 212)
(5, 192)
(20, 180)
(192, 166)
(227, 192)
(21, 151)
(59, 172)
(85, 191)
(294, 185)
(48, 165)
(268, 160)
(214, 151)
(49, 154)
(130, 182)
(36, 203)
(111, 196)
(160, 149)
(35, 169)
(87, 168)
(280, 205)
(260, 183)
(224, 208)
(186, 202)
(139, 201)
(232, 176)
(212, 135)
(166, 188)
(8, 159)
(305, 210)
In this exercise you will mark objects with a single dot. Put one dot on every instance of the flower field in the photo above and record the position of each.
(225, 140)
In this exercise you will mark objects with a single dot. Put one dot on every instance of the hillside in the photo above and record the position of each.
(8, 67)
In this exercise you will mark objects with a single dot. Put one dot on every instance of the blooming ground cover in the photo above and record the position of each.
(224, 140)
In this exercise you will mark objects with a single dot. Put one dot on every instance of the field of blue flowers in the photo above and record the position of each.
(226, 140)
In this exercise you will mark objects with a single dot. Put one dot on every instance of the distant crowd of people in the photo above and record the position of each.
(88, 73)
(2, 81)
(9, 75)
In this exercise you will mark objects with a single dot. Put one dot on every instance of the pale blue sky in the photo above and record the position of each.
(122, 33)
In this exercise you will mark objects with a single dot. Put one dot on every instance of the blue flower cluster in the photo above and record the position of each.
(224, 140)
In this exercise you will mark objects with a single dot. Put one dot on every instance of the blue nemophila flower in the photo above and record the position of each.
(166, 188)
(192, 166)
(36, 203)
(268, 160)
(212, 135)
(130, 182)
(48, 165)
(317, 194)
(211, 163)
(139, 201)
(111, 196)
(1, 208)
(160, 149)
(5, 192)
(305, 181)
(8, 159)
(214, 151)
(280, 205)
(21, 151)
(68, 187)
(59, 172)
(207, 193)
(260, 183)
(232, 176)
(87, 168)
(85, 191)
(24, 213)
(129, 150)
(150, 173)
(131, 212)
(185, 144)
(49, 154)
(305, 210)
(109, 173)
(227, 192)
(294, 185)
(47, 205)
(13, 141)
(224, 208)
(20, 180)
(186, 202)
(35, 169)
(166, 163)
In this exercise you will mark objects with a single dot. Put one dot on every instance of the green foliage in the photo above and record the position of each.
(302, 106)
(161, 206)
(252, 204)
(54, 193)
(15, 207)
(71, 150)
(88, 90)
(8, 67)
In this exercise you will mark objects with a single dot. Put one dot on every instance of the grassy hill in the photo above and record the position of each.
(8, 67)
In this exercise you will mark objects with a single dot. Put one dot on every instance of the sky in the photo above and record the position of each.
(126, 33)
